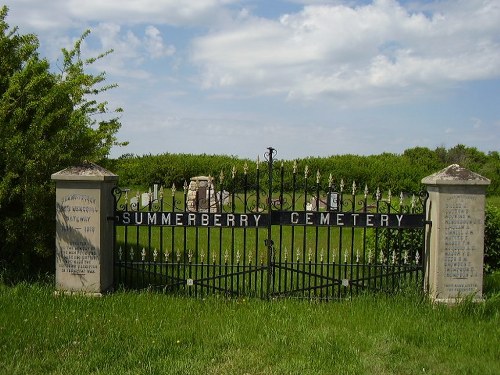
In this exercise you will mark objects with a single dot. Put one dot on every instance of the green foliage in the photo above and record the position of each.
(385, 171)
(492, 239)
(47, 124)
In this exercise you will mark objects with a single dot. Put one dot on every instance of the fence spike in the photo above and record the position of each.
(381, 257)
(318, 176)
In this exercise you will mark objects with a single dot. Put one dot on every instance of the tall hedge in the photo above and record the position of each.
(385, 171)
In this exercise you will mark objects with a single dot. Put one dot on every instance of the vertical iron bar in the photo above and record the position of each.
(245, 205)
(316, 242)
(352, 264)
(304, 231)
(150, 205)
(329, 238)
(340, 243)
(285, 271)
(292, 244)
(365, 209)
(270, 246)
(256, 229)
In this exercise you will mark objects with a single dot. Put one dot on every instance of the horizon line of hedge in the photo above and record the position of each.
(398, 172)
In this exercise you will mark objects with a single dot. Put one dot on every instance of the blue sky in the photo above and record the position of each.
(308, 77)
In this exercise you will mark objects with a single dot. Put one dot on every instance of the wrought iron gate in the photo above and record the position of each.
(301, 236)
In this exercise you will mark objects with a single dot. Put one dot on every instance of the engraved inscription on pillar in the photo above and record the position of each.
(461, 247)
(78, 232)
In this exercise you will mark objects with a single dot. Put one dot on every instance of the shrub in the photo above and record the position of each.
(492, 239)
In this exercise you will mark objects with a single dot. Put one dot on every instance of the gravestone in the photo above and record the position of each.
(84, 233)
(201, 195)
(145, 198)
(456, 208)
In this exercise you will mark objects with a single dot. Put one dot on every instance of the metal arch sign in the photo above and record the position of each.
(262, 220)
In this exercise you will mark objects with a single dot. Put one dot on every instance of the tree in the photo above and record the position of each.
(47, 122)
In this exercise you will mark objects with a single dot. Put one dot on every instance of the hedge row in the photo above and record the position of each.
(385, 171)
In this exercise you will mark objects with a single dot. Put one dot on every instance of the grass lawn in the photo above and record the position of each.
(148, 333)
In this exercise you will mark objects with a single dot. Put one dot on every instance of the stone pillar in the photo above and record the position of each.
(84, 233)
(455, 239)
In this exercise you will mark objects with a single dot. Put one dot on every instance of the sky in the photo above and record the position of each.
(307, 77)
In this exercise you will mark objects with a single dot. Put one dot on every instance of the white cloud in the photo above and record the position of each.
(130, 51)
(154, 43)
(287, 77)
(374, 52)
(60, 14)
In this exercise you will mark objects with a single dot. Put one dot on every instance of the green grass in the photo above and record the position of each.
(148, 333)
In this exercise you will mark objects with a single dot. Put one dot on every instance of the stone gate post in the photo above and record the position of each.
(455, 239)
(84, 234)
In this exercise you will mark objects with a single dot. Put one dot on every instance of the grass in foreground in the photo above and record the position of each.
(146, 333)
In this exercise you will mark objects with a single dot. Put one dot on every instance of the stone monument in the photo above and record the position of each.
(201, 195)
(84, 233)
(455, 242)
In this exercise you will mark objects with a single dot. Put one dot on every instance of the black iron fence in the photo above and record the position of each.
(319, 239)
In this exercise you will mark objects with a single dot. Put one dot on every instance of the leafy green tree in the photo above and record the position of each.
(492, 239)
(47, 122)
